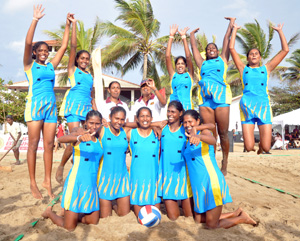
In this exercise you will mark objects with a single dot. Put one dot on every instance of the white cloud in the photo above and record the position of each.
(17, 46)
(11, 6)
(243, 9)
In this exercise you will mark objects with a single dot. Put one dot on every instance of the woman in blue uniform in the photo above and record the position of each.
(80, 194)
(113, 177)
(255, 102)
(79, 99)
(40, 111)
(209, 187)
(181, 81)
(144, 148)
(215, 94)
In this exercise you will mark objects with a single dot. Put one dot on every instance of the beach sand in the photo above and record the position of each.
(277, 212)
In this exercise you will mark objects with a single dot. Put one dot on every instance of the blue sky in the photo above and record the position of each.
(16, 16)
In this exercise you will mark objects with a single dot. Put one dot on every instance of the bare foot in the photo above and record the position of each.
(224, 168)
(49, 189)
(61, 212)
(35, 192)
(17, 163)
(59, 174)
(45, 214)
(248, 219)
(260, 150)
(238, 212)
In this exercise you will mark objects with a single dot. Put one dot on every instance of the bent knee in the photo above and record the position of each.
(209, 225)
(173, 217)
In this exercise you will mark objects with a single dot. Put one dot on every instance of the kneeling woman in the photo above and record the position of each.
(209, 187)
(80, 194)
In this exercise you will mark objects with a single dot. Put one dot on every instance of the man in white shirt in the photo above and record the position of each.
(155, 101)
(13, 128)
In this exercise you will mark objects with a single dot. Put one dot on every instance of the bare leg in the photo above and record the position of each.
(123, 206)
(208, 116)
(91, 218)
(187, 206)
(248, 136)
(34, 129)
(222, 120)
(66, 156)
(105, 208)
(48, 137)
(173, 211)
(17, 155)
(136, 209)
(265, 133)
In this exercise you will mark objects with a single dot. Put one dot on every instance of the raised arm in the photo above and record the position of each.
(236, 58)
(60, 53)
(197, 56)
(225, 48)
(161, 98)
(37, 15)
(72, 56)
(173, 30)
(272, 64)
(187, 51)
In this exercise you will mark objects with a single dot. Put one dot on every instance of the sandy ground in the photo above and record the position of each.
(278, 213)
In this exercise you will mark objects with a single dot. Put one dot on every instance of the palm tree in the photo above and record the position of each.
(293, 73)
(86, 40)
(136, 44)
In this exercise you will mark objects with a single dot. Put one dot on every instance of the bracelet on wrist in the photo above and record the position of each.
(78, 138)
(36, 19)
(183, 36)
(171, 36)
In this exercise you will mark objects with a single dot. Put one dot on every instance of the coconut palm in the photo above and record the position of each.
(293, 73)
(86, 40)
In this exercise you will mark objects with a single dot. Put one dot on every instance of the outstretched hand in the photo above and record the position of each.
(195, 31)
(173, 29)
(279, 27)
(86, 137)
(236, 26)
(70, 18)
(183, 31)
(38, 11)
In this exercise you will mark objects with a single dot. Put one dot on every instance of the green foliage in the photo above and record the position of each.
(285, 99)
(11, 103)
(293, 73)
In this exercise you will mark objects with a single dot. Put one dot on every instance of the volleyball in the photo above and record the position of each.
(149, 216)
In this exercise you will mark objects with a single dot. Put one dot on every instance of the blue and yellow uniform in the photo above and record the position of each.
(77, 100)
(215, 92)
(208, 183)
(255, 102)
(144, 169)
(173, 180)
(40, 101)
(113, 177)
(80, 193)
(181, 89)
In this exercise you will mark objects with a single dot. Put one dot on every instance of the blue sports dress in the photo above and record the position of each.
(80, 194)
(208, 183)
(255, 102)
(173, 180)
(144, 169)
(40, 101)
(77, 100)
(181, 89)
(113, 177)
(214, 87)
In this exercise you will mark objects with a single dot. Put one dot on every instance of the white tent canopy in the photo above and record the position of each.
(290, 118)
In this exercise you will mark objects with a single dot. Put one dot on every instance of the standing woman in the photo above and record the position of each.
(144, 147)
(80, 195)
(78, 100)
(181, 81)
(215, 94)
(255, 102)
(210, 190)
(40, 111)
(113, 177)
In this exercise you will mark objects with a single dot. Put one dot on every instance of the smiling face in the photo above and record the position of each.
(173, 114)
(42, 53)
(83, 61)
(117, 120)
(180, 66)
(145, 90)
(212, 51)
(189, 122)
(115, 90)
(254, 58)
(144, 119)
(93, 123)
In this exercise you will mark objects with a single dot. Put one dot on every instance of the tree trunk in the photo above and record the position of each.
(145, 68)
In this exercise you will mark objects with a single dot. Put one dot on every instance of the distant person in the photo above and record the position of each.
(151, 98)
(60, 131)
(14, 130)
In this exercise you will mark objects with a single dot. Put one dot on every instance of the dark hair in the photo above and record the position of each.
(178, 106)
(92, 113)
(117, 109)
(10, 117)
(180, 57)
(252, 49)
(143, 108)
(113, 82)
(207, 47)
(78, 55)
(36, 46)
(194, 114)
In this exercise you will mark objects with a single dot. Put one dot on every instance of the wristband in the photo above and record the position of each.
(36, 19)
(183, 36)
(155, 89)
(78, 138)
(171, 36)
